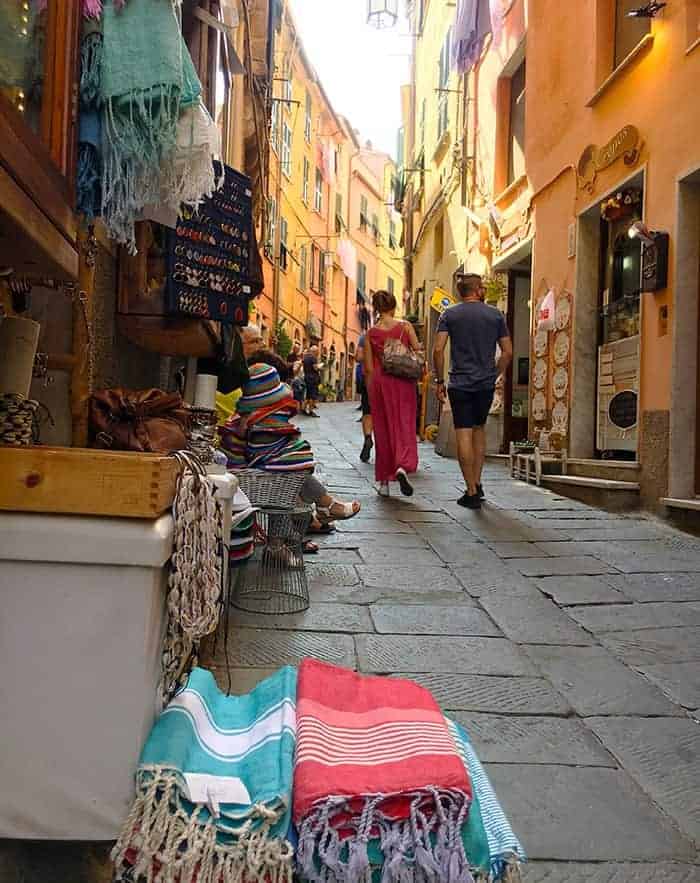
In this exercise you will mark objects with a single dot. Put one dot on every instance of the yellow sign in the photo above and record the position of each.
(626, 145)
(441, 300)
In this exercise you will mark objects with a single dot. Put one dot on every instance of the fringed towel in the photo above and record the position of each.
(214, 788)
(376, 761)
(504, 849)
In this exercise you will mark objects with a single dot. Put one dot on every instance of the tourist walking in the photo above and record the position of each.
(474, 330)
(312, 379)
(366, 418)
(392, 399)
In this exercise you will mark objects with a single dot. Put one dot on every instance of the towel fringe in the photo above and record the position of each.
(163, 842)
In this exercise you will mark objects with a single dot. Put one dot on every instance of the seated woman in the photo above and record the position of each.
(260, 435)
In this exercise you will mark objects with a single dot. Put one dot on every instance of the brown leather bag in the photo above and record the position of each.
(148, 420)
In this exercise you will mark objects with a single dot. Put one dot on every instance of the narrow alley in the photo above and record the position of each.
(565, 638)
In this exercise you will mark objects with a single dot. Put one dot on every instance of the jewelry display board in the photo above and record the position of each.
(209, 254)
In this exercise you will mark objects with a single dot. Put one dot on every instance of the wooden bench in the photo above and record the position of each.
(528, 463)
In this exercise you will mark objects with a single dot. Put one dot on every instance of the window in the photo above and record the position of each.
(375, 227)
(339, 213)
(305, 181)
(275, 125)
(318, 192)
(392, 235)
(307, 119)
(516, 134)
(284, 253)
(390, 285)
(628, 31)
(439, 241)
(322, 258)
(315, 252)
(364, 213)
(362, 278)
(303, 258)
(271, 224)
(288, 92)
(443, 85)
(287, 150)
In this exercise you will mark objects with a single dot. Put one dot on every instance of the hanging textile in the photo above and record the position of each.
(472, 26)
(347, 257)
(147, 80)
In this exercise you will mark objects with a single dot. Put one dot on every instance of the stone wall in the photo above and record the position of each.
(653, 457)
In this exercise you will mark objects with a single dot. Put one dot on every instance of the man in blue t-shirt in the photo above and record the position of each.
(474, 330)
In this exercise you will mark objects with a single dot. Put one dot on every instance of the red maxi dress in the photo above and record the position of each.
(394, 403)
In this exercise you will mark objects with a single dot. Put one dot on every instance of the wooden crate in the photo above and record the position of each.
(82, 481)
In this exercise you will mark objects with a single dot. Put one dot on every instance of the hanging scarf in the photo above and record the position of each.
(89, 176)
(147, 79)
(472, 26)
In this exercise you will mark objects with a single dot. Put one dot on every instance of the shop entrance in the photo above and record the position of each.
(515, 393)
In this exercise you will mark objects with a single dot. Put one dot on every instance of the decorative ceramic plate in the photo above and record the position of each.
(560, 382)
(540, 343)
(563, 314)
(562, 345)
(539, 374)
(539, 406)
(560, 418)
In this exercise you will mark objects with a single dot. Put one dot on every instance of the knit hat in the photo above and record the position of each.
(262, 389)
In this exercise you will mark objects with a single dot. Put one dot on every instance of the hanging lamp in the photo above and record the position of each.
(382, 13)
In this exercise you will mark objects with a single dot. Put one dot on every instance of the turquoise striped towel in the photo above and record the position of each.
(214, 787)
(505, 850)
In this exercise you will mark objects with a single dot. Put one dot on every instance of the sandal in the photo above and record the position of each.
(319, 527)
(310, 548)
(383, 489)
(339, 511)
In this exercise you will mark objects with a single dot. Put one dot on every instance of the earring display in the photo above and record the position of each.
(209, 263)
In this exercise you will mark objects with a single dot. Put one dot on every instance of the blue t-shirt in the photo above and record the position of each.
(474, 329)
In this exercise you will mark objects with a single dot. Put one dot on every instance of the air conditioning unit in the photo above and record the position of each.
(618, 395)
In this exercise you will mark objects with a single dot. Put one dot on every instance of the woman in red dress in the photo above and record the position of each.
(392, 400)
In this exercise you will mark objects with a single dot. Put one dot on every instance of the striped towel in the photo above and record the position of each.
(265, 439)
(214, 788)
(376, 761)
(505, 850)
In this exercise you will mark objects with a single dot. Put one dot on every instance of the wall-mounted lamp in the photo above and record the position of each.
(654, 256)
(650, 10)
(382, 13)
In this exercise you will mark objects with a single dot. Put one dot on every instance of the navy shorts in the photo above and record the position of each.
(470, 409)
(364, 400)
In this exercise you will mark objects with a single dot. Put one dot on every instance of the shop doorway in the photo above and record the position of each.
(515, 393)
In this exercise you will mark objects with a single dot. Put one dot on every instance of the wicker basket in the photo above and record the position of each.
(265, 490)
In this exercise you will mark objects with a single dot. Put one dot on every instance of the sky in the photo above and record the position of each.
(361, 68)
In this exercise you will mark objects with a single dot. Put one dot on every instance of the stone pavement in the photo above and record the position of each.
(566, 638)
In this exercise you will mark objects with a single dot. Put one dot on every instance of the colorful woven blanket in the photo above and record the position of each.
(214, 788)
(265, 439)
(376, 762)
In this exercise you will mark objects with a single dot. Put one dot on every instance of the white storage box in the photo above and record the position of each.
(81, 622)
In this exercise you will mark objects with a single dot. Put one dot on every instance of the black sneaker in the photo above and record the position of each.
(367, 449)
(480, 491)
(469, 501)
(404, 483)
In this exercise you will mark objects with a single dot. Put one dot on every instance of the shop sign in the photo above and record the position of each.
(625, 145)
(441, 300)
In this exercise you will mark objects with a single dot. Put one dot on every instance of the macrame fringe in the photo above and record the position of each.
(91, 53)
(161, 842)
(425, 848)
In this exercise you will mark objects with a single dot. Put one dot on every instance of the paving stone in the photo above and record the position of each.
(413, 580)
(585, 814)
(502, 695)
(647, 587)
(663, 754)
(387, 553)
(609, 872)
(257, 648)
(366, 540)
(569, 590)
(360, 524)
(515, 550)
(569, 548)
(331, 574)
(407, 619)
(499, 526)
(594, 682)
(499, 580)
(652, 646)
(243, 680)
(679, 680)
(424, 517)
(533, 619)
(602, 529)
(588, 513)
(623, 617)
(629, 561)
(335, 555)
(318, 618)
(573, 566)
(392, 653)
(526, 740)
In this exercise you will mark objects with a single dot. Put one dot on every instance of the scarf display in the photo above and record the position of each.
(376, 761)
(472, 26)
(147, 81)
(242, 541)
(89, 174)
(214, 787)
(504, 849)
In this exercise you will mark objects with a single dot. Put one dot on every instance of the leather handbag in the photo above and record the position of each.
(149, 421)
(399, 360)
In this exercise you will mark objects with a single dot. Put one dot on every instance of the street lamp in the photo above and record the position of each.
(382, 13)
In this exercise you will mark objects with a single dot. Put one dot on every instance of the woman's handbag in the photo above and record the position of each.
(149, 421)
(399, 360)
